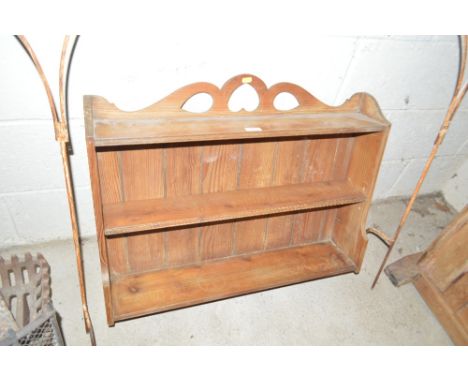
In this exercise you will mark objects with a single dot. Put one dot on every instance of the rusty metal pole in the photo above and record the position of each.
(61, 136)
(457, 98)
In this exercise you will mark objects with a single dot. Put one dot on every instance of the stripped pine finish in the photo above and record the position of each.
(219, 174)
(288, 166)
(182, 174)
(178, 287)
(256, 171)
(194, 207)
(144, 215)
(110, 184)
(143, 181)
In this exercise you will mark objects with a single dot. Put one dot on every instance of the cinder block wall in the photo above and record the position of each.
(456, 188)
(412, 78)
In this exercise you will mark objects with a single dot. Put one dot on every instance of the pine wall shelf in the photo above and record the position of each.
(195, 207)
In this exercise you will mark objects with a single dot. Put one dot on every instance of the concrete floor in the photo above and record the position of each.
(339, 310)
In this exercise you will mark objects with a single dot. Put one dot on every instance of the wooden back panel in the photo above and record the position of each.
(140, 173)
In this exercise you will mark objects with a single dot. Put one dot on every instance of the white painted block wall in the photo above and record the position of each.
(412, 78)
(456, 188)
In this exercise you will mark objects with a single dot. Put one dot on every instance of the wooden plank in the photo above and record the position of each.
(174, 288)
(190, 129)
(446, 259)
(117, 253)
(142, 171)
(220, 167)
(364, 163)
(110, 183)
(288, 170)
(101, 239)
(216, 241)
(440, 276)
(142, 179)
(181, 246)
(256, 170)
(404, 270)
(318, 166)
(109, 176)
(456, 294)
(183, 179)
(153, 214)
(449, 320)
(219, 174)
(462, 315)
(343, 154)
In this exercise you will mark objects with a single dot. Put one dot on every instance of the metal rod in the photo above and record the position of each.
(43, 77)
(457, 98)
(61, 135)
(381, 235)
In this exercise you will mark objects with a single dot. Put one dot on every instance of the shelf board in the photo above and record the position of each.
(145, 215)
(121, 132)
(157, 291)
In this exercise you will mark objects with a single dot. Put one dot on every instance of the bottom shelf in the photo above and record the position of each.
(152, 292)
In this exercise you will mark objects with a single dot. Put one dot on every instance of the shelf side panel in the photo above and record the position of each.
(349, 230)
(101, 238)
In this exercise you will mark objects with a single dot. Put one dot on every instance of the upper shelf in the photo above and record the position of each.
(166, 121)
(139, 132)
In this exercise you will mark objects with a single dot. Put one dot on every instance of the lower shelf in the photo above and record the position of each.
(152, 292)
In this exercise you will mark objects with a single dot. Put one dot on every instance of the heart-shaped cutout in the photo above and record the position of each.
(245, 97)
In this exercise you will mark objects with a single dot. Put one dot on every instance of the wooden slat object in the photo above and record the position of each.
(150, 214)
(455, 327)
(194, 207)
(219, 174)
(214, 280)
(440, 274)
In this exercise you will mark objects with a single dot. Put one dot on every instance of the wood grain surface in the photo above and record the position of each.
(145, 215)
(194, 207)
(175, 288)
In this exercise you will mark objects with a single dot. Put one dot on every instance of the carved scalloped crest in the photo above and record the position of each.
(173, 104)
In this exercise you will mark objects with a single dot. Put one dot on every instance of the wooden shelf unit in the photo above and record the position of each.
(195, 207)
